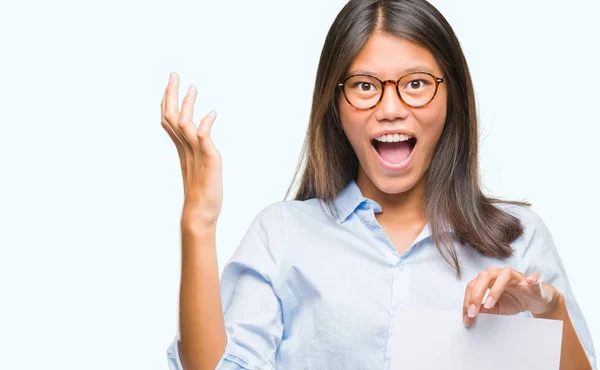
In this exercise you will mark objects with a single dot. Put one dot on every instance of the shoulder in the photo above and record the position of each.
(536, 240)
(275, 220)
(531, 221)
(292, 212)
(267, 239)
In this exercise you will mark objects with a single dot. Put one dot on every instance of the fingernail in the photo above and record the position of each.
(171, 78)
(472, 310)
(191, 89)
(212, 114)
(465, 319)
(489, 302)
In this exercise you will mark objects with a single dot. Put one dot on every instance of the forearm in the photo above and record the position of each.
(572, 356)
(203, 338)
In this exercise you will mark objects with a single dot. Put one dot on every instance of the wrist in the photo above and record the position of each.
(196, 217)
(198, 225)
(557, 309)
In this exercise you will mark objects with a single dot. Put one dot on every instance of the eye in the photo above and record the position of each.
(417, 84)
(362, 85)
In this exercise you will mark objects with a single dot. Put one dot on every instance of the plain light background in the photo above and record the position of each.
(91, 192)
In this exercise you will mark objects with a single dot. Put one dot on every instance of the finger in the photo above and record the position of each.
(166, 125)
(534, 278)
(534, 282)
(185, 117)
(174, 138)
(171, 111)
(466, 319)
(499, 286)
(204, 131)
(484, 280)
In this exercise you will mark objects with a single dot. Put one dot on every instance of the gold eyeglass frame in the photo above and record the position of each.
(438, 81)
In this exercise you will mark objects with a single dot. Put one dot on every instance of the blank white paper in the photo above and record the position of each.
(425, 339)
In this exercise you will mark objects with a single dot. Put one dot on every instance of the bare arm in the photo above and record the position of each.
(203, 337)
(572, 355)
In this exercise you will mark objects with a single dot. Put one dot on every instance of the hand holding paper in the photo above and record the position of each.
(510, 292)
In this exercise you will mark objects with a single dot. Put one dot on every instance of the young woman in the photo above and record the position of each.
(389, 212)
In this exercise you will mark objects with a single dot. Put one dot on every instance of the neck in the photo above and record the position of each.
(404, 208)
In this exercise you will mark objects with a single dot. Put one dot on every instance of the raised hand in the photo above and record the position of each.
(200, 161)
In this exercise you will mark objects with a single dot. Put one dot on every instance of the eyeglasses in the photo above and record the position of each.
(416, 89)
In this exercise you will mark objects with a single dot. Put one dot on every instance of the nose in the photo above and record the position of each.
(391, 107)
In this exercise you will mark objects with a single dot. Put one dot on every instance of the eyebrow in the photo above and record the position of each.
(418, 68)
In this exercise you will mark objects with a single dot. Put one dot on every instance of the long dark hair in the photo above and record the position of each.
(453, 196)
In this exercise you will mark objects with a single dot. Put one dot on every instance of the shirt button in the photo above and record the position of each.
(401, 267)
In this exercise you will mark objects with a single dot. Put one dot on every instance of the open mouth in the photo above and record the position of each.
(395, 153)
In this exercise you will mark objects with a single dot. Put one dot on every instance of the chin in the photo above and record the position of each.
(393, 184)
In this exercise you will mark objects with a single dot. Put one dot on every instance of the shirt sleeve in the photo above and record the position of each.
(251, 307)
(540, 255)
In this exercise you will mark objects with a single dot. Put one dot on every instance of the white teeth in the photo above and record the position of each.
(389, 138)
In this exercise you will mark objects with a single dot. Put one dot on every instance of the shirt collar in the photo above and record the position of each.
(350, 198)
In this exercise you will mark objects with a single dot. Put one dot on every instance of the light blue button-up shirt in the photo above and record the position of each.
(305, 290)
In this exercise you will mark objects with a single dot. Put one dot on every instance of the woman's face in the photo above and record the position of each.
(388, 58)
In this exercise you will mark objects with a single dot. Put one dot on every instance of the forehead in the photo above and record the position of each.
(386, 56)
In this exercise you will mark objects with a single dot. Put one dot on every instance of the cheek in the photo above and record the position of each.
(432, 123)
(353, 123)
